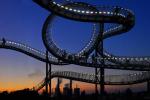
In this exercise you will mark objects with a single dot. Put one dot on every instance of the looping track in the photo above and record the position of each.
(79, 11)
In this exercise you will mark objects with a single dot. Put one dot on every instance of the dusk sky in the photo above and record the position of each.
(22, 21)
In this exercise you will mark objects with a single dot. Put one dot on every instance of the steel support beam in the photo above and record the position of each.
(70, 87)
(58, 88)
(96, 79)
(46, 79)
(102, 70)
(102, 87)
(97, 73)
(50, 84)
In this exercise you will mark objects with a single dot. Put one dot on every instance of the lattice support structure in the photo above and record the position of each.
(102, 78)
(100, 71)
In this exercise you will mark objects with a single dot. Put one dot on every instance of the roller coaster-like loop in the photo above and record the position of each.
(90, 78)
(84, 12)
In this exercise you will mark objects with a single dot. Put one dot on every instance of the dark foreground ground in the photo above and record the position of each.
(27, 94)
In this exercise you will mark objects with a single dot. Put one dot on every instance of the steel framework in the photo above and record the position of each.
(123, 20)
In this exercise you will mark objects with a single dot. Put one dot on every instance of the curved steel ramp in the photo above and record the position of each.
(90, 78)
(23, 48)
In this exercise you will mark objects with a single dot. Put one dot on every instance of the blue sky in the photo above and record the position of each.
(22, 20)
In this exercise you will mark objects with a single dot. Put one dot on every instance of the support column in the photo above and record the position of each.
(96, 78)
(102, 71)
(96, 75)
(46, 79)
(70, 87)
(102, 82)
(58, 87)
(50, 84)
(99, 72)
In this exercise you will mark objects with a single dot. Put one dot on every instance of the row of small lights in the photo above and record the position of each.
(106, 32)
(69, 72)
(21, 45)
(92, 39)
(108, 76)
(134, 74)
(115, 28)
(82, 74)
(119, 58)
(52, 44)
(90, 75)
(113, 7)
(88, 12)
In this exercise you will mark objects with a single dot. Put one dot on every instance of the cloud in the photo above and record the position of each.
(36, 73)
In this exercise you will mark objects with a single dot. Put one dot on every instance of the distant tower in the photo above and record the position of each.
(66, 90)
(57, 90)
(76, 91)
(70, 87)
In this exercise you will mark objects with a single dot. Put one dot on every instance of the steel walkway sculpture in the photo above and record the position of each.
(123, 20)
